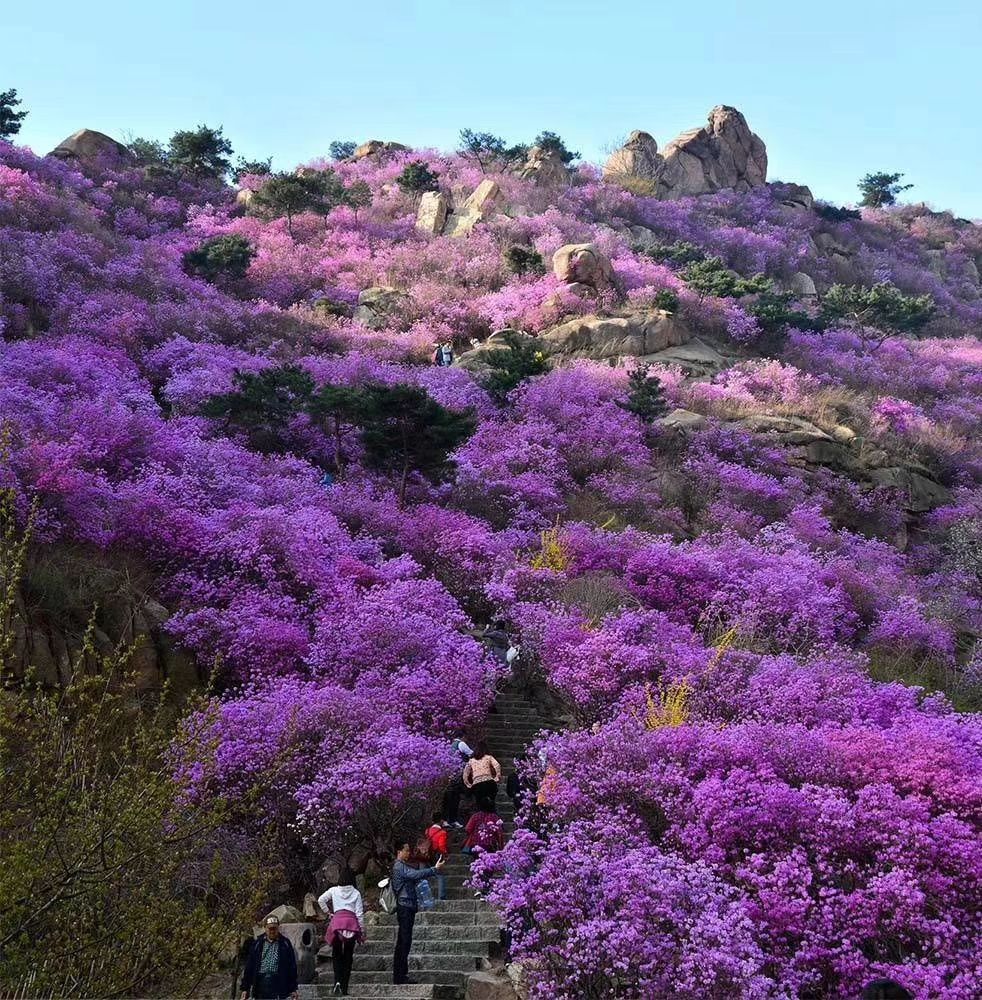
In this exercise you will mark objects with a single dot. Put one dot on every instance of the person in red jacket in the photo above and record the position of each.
(437, 836)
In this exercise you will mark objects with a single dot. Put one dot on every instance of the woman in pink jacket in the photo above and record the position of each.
(482, 774)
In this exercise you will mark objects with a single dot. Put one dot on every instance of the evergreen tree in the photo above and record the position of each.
(509, 367)
(645, 396)
(148, 152)
(883, 306)
(405, 429)
(227, 257)
(712, 277)
(483, 147)
(334, 407)
(341, 150)
(520, 259)
(292, 194)
(244, 166)
(202, 151)
(262, 406)
(10, 119)
(552, 143)
(357, 195)
(417, 178)
(881, 189)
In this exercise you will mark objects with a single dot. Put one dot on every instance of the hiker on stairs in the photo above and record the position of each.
(485, 831)
(482, 774)
(346, 928)
(404, 881)
(456, 788)
(437, 836)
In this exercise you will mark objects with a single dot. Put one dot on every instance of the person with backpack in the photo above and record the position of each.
(403, 882)
(482, 774)
(437, 836)
(346, 929)
(485, 831)
(456, 788)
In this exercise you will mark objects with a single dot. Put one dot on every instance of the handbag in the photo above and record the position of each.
(387, 897)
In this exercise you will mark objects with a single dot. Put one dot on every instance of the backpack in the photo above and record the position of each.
(387, 897)
(487, 836)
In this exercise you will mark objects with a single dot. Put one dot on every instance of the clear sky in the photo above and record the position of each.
(835, 89)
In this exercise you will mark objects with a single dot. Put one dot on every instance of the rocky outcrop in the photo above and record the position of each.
(920, 493)
(431, 216)
(638, 157)
(802, 286)
(378, 149)
(379, 305)
(482, 203)
(545, 168)
(603, 337)
(92, 148)
(797, 197)
(722, 155)
(684, 421)
(583, 264)
(487, 986)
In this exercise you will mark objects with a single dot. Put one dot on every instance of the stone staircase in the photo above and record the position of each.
(454, 939)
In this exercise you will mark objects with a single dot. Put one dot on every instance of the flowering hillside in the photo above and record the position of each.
(756, 596)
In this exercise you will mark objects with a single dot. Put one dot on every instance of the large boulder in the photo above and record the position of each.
(482, 203)
(584, 264)
(802, 286)
(638, 157)
(487, 986)
(92, 148)
(379, 305)
(603, 338)
(378, 149)
(684, 421)
(431, 216)
(724, 154)
(921, 494)
(544, 167)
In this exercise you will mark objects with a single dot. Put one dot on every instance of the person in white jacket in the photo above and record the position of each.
(346, 929)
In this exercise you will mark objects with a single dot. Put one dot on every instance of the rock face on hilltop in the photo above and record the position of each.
(544, 167)
(88, 146)
(722, 155)
(377, 149)
(638, 157)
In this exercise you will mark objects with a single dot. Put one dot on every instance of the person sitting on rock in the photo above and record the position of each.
(271, 967)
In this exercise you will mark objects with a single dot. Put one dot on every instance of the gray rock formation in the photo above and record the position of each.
(378, 149)
(602, 338)
(431, 216)
(544, 167)
(583, 263)
(379, 305)
(483, 202)
(724, 154)
(91, 148)
(638, 157)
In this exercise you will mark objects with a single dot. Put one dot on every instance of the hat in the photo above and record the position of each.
(271, 920)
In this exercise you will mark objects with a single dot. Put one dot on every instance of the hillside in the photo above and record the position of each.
(709, 447)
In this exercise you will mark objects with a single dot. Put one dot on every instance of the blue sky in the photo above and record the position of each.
(835, 89)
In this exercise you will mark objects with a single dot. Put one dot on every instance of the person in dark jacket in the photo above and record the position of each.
(271, 968)
(404, 880)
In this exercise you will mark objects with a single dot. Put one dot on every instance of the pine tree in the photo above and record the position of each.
(645, 396)
(520, 359)
(404, 429)
(10, 120)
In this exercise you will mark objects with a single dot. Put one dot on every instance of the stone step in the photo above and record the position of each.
(439, 918)
(442, 962)
(439, 977)
(475, 942)
(381, 991)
